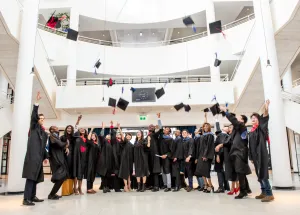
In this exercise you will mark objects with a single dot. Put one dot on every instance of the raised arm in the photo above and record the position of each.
(102, 130)
(77, 123)
(266, 108)
(120, 131)
(205, 117)
(90, 134)
(35, 114)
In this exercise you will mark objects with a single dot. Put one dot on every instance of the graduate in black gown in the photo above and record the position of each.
(126, 160)
(93, 153)
(108, 162)
(153, 159)
(188, 151)
(239, 150)
(178, 161)
(58, 163)
(80, 158)
(205, 155)
(219, 160)
(258, 155)
(140, 159)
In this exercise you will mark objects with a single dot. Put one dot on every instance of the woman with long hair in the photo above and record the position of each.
(205, 154)
(140, 160)
(69, 187)
(80, 158)
(93, 152)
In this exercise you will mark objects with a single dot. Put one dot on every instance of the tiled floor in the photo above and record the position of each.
(286, 203)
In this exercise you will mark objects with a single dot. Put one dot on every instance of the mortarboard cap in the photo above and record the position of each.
(217, 61)
(72, 34)
(112, 102)
(206, 110)
(110, 83)
(179, 106)
(159, 93)
(188, 21)
(97, 64)
(187, 108)
(215, 27)
(215, 109)
(133, 89)
(122, 104)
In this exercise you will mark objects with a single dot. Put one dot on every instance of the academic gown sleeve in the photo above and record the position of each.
(191, 147)
(263, 123)
(209, 147)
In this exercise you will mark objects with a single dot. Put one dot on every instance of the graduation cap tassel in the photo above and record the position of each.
(214, 98)
(122, 90)
(224, 35)
(194, 29)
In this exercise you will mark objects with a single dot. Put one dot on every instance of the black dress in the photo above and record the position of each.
(126, 159)
(140, 159)
(258, 148)
(166, 148)
(239, 149)
(80, 157)
(92, 156)
(36, 150)
(205, 149)
(230, 174)
(58, 163)
(220, 140)
(70, 156)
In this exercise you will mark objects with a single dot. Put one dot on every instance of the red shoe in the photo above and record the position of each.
(236, 190)
(231, 192)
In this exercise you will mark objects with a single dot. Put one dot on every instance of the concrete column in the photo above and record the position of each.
(288, 81)
(72, 52)
(271, 80)
(23, 96)
(213, 40)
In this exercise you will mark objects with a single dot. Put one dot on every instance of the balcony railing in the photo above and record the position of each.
(296, 82)
(144, 80)
(291, 97)
(151, 44)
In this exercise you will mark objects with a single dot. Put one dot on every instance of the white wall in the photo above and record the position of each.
(292, 115)
(91, 96)
(10, 10)
(147, 61)
(6, 120)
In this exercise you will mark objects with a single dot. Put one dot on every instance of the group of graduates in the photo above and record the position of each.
(79, 155)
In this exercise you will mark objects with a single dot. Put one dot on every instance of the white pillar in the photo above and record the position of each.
(292, 145)
(23, 96)
(287, 80)
(270, 74)
(72, 46)
(213, 40)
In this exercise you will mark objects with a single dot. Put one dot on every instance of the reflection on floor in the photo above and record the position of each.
(286, 202)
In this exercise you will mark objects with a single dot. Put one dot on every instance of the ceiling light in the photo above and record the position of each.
(103, 35)
(248, 9)
(178, 32)
(141, 34)
(152, 33)
(128, 34)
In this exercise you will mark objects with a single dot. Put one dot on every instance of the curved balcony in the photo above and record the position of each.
(151, 44)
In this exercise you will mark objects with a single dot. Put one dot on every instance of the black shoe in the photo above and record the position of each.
(189, 189)
(201, 189)
(176, 189)
(143, 188)
(28, 203)
(155, 189)
(241, 195)
(139, 187)
(219, 190)
(53, 197)
(164, 187)
(167, 190)
(36, 199)
(249, 191)
(118, 191)
(58, 196)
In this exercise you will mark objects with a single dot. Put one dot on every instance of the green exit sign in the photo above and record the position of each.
(143, 117)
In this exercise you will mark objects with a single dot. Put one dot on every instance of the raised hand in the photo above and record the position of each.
(103, 126)
(222, 108)
(158, 115)
(118, 125)
(267, 104)
(79, 117)
(38, 96)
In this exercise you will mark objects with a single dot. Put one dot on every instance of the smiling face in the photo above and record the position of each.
(184, 134)
(94, 137)
(254, 120)
(69, 130)
(167, 131)
(82, 131)
(41, 119)
(128, 137)
(108, 137)
(139, 134)
(206, 127)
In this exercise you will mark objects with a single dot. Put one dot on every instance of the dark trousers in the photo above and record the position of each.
(89, 185)
(266, 187)
(116, 181)
(223, 183)
(30, 189)
(242, 181)
(56, 187)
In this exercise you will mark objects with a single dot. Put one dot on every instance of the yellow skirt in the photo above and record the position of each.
(67, 187)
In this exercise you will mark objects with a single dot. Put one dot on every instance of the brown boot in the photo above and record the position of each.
(261, 196)
(268, 199)
(189, 189)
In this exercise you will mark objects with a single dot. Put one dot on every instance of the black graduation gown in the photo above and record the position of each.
(70, 156)
(140, 158)
(58, 163)
(239, 150)
(188, 150)
(36, 150)
(230, 174)
(258, 148)
(177, 148)
(166, 148)
(126, 159)
(80, 157)
(154, 161)
(205, 149)
(220, 140)
(92, 156)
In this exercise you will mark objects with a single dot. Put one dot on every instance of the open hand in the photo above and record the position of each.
(118, 125)
(175, 159)
(103, 125)
(38, 96)
(67, 151)
(218, 159)
(158, 115)
(204, 159)
(217, 149)
(79, 117)
(187, 159)
(164, 156)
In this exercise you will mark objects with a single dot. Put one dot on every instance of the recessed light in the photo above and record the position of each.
(103, 35)
(141, 34)
(178, 32)
(248, 9)
(128, 34)
(152, 33)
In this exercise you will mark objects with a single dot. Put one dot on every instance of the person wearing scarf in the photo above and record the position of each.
(58, 163)
(80, 158)
(239, 150)
(258, 155)
(35, 155)
(204, 157)
(188, 151)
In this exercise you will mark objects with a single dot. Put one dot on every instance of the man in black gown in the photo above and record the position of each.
(178, 162)
(239, 150)
(35, 155)
(188, 151)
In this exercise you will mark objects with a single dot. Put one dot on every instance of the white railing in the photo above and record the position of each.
(291, 97)
(296, 82)
(145, 80)
(150, 44)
